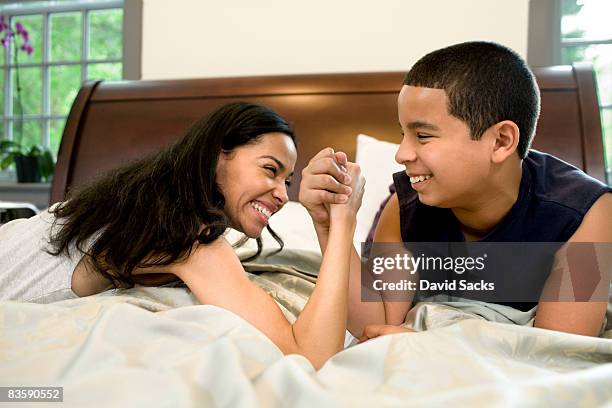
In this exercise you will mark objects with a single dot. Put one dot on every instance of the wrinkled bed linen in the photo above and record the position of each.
(159, 347)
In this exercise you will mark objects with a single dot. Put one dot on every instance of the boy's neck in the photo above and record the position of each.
(480, 219)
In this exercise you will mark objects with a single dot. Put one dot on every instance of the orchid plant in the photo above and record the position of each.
(10, 149)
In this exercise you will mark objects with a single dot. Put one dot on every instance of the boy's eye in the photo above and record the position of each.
(272, 169)
(288, 183)
(421, 136)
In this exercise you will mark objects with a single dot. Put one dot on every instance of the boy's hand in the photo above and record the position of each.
(348, 210)
(375, 330)
(324, 181)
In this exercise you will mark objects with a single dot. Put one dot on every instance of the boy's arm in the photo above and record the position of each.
(582, 317)
(389, 312)
(388, 230)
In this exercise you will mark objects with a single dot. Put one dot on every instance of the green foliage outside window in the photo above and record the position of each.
(65, 81)
(34, 24)
(66, 36)
(105, 40)
(589, 20)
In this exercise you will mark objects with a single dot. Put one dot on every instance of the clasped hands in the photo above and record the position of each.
(331, 187)
(328, 181)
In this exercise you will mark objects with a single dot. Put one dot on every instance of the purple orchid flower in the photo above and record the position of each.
(6, 41)
(9, 34)
(27, 48)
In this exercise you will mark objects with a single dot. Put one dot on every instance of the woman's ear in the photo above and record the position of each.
(507, 136)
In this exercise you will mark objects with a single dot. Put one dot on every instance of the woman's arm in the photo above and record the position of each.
(215, 276)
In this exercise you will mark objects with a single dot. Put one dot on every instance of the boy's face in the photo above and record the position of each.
(446, 167)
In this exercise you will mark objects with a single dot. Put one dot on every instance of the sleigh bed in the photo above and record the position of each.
(159, 347)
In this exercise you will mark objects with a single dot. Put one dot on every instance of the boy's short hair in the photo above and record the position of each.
(486, 83)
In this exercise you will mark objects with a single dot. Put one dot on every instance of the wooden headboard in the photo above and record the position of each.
(111, 123)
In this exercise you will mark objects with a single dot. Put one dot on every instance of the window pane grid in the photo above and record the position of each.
(65, 6)
(577, 42)
(65, 44)
(45, 123)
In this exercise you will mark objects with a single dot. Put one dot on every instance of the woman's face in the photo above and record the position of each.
(254, 179)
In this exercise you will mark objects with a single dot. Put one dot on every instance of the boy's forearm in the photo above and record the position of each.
(361, 313)
(583, 318)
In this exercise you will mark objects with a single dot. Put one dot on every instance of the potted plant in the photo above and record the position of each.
(33, 163)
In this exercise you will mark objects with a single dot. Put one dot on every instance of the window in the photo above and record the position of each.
(586, 35)
(73, 41)
(568, 31)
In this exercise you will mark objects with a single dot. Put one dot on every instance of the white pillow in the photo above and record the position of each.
(292, 223)
(377, 161)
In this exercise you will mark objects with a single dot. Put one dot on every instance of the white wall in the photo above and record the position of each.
(212, 38)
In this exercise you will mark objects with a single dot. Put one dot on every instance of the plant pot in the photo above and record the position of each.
(28, 169)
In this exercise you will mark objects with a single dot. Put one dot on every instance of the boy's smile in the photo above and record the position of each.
(419, 182)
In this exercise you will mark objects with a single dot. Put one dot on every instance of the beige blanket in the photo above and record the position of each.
(158, 347)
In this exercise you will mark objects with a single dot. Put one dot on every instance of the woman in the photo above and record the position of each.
(163, 218)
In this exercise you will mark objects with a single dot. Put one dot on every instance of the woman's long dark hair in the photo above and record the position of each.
(150, 213)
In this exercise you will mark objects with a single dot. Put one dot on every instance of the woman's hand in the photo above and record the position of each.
(324, 181)
(348, 210)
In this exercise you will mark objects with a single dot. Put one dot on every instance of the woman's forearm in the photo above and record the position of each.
(319, 330)
(322, 235)
(359, 313)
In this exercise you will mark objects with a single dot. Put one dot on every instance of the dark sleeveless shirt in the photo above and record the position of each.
(553, 198)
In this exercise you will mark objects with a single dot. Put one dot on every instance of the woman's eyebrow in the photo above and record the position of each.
(278, 162)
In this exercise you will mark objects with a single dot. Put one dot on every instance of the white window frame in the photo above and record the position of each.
(16, 11)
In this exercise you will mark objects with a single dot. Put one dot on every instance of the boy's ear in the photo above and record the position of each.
(507, 136)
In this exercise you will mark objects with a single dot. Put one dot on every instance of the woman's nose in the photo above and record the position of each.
(280, 193)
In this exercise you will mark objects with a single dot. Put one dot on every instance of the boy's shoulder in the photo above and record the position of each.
(555, 182)
(553, 199)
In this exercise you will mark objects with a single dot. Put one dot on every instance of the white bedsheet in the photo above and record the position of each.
(155, 347)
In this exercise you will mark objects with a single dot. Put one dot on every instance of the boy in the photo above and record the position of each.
(468, 114)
